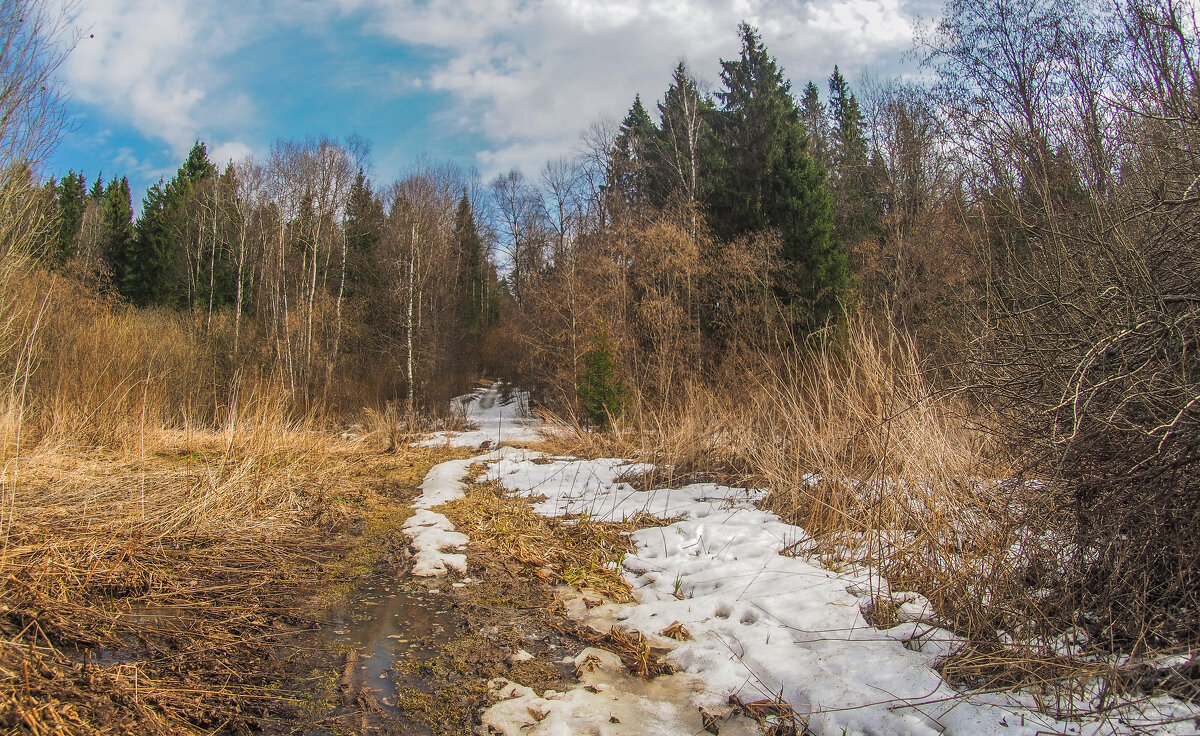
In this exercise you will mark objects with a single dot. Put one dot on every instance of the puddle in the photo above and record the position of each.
(385, 625)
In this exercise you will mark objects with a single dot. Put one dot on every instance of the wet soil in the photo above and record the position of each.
(402, 655)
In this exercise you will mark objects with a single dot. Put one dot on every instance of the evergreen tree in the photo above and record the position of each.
(196, 167)
(853, 183)
(97, 192)
(117, 238)
(364, 228)
(812, 113)
(72, 201)
(684, 113)
(602, 391)
(147, 277)
(634, 154)
(185, 217)
(474, 297)
(766, 179)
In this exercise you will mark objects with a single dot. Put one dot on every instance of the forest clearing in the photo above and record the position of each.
(861, 408)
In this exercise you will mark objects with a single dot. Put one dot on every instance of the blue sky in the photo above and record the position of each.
(489, 84)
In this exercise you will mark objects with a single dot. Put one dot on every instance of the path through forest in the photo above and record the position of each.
(723, 596)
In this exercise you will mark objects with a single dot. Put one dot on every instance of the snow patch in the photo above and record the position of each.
(606, 702)
(498, 417)
(767, 625)
(431, 535)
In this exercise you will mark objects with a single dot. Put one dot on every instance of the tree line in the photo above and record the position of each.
(297, 262)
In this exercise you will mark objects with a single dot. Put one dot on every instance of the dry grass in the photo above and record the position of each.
(579, 552)
(890, 475)
(165, 519)
(884, 471)
(131, 584)
(168, 593)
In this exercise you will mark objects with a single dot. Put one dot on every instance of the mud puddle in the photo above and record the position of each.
(384, 627)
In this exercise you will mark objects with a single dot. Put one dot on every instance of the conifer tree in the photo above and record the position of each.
(812, 113)
(766, 179)
(474, 296)
(634, 154)
(853, 183)
(364, 229)
(117, 239)
(602, 391)
(684, 113)
(72, 201)
(147, 277)
(186, 220)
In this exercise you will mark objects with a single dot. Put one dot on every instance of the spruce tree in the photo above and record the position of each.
(634, 155)
(602, 391)
(684, 113)
(765, 178)
(853, 182)
(147, 278)
(474, 293)
(185, 217)
(812, 113)
(72, 201)
(364, 228)
(117, 237)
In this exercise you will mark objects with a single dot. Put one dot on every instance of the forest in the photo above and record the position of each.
(968, 302)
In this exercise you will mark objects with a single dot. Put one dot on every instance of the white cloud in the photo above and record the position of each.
(223, 153)
(151, 63)
(529, 75)
(523, 76)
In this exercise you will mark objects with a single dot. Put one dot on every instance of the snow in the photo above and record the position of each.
(607, 702)
(763, 624)
(431, 535)
(768, 625)
(498, 417)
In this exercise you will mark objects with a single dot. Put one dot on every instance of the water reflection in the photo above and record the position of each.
(386, 625)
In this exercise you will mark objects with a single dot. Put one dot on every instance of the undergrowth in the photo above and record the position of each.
(891, 474)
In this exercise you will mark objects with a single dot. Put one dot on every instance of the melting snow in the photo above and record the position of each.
(497, 417)
(764, 624)
(769, 625)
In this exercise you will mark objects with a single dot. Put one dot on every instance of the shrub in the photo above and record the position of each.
(602, 391)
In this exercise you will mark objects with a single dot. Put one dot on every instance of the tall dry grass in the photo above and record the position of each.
(889, 475)
(887, 472)
(157, 502)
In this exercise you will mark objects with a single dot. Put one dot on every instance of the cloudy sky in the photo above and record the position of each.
(486, 83)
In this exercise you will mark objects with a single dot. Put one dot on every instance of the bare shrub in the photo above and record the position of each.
(1087, 345)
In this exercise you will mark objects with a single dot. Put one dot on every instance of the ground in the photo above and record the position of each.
(456, 583)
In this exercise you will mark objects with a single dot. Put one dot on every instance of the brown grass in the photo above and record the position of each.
(887, 473)
(579, 552)
(166, 519)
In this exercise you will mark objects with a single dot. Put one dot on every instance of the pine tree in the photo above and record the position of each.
(97, 192)
(147, 277)
(812, 113)
(72, 201)
(117, 238)
(474, 295)
(766, 179)
(196, 167)
(853, 184)
(602, 391)
(684, 113)
(364, 228)
(634, 155)
(187, 221)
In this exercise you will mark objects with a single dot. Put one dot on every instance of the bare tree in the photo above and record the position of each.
(32, 107)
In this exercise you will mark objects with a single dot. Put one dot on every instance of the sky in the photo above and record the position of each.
(488, 84)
